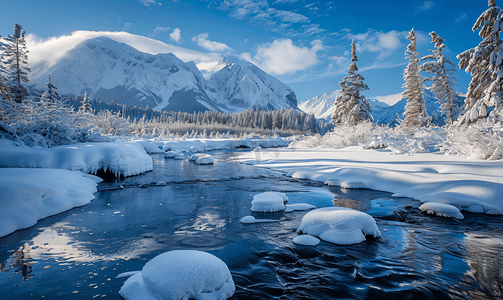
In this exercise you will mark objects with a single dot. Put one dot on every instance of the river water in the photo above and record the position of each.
(180, 205)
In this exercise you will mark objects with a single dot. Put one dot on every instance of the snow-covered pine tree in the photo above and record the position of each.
(443, 79)
(485, 64)
(351, 107)
(415, 110)
(85, 105)
(15, 57)
(50, 95)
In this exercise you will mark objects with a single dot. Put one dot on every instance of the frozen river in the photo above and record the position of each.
(180, 205)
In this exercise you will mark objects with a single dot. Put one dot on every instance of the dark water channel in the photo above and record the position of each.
(181, 205)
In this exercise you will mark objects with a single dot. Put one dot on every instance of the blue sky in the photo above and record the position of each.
(305, 44)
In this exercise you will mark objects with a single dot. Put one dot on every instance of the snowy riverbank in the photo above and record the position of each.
(126, 159)
(470, 185)
(28, 195)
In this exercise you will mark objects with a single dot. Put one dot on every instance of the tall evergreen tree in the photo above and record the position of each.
(15, 57)
(85, 106)
(415, 110)
(351, 107)
(485, 64)
(443, 78)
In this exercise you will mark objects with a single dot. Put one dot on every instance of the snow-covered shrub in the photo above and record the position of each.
(111, 123)
(479, 141)
(342, 135)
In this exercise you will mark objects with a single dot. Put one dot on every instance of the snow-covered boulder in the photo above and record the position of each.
(171, 154)
(180, 274)
(202, 159)
(441, 210)
(339, 225)
(252, 220)
(299, 207)
(269, 202)
(306, 240)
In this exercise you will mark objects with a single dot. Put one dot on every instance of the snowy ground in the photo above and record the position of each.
(28, 195)
(470, 185)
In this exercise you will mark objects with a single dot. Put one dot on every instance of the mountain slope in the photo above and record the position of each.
(114, 71)
(239, 85)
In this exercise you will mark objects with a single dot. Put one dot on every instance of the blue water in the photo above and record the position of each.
(77, 254)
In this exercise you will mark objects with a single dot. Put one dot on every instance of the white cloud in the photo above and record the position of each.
(426, 6)
(461, 18)
(339, 60)
(203, 42)
(176, 35)
(377, 41)
(159, 30)
(283, 57)
(53, 48)
(150, 2)
(127, 26)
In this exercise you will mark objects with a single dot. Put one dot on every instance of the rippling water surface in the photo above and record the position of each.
(181, 205)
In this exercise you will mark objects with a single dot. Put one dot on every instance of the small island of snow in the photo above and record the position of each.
(269, 202)
(339, 225)
(180, 274)
(441, 210)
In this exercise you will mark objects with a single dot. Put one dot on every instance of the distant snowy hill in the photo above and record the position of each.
(239, 85)
(114, 71)
(322, 106)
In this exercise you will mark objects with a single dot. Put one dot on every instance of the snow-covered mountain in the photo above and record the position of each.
(322, 106)
(239, 85)
(114, 71)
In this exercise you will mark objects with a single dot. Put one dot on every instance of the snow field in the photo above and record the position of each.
(180, 274)
(126, 159)
(470, 185)
(339, 225)
(29, 195)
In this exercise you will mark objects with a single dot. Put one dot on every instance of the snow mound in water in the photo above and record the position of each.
(252, 220)
(306, 240)
(180, 274)
(269, 202)
(299, 207)
(202, 159)
(339, 225)
(171, 154)
(441, 210)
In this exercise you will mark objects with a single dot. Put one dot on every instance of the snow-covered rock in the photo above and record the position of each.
(339, 225)
(441, 210)
(123, 159)
(28, 195)
(202, 159)
(171, 154)
(252, 220)
(306, 240)
(268, 202)
(180, 274)
(299, 207)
